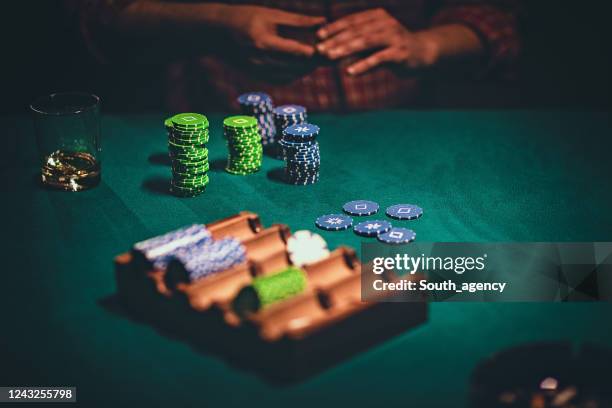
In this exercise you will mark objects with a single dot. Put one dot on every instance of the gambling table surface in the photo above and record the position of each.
(479, 176)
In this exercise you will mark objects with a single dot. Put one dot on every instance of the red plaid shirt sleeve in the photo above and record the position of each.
(495, 22)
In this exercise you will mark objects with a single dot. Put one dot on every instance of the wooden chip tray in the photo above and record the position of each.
(286, 341)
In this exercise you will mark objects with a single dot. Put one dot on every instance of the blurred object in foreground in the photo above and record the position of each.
(544, 375)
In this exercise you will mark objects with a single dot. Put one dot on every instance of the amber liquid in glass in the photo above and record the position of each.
(71, 171)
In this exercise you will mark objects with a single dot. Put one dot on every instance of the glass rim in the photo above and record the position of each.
(94, 101)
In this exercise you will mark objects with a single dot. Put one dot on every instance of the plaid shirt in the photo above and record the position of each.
(321, 85)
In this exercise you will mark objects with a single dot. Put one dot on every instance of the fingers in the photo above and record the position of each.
(341, 40)
(273, 42)
(298, 20)
(372, 61)
(276, 43)
(358, 44)
(348, 21)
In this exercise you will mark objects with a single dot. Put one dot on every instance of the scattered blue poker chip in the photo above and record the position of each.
(334, 222)
(397, 236)
(158, 250)
(372, 228)
(360, 207)
(404, 212)
(215, 256)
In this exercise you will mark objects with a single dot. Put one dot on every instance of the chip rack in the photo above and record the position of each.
(285, 342)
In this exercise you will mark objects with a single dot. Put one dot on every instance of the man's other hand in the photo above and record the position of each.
(376, 31)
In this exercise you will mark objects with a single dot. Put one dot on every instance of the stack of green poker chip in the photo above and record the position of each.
(187, 138)
(243, 144)
(269, 289)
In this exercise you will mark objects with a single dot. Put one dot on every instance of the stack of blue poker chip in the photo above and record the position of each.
(157, 251)
(301, 153)
(205, 260)
(260, 105)
(285, 116)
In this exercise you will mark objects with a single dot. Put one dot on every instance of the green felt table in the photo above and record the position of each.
(480, 176)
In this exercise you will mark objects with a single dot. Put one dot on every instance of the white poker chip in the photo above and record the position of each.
(305, 247)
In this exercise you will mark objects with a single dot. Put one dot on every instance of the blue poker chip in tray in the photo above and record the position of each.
(208, 259)
(158, 250)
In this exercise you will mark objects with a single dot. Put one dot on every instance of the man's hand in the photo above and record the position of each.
(258, 27)
(378, 31)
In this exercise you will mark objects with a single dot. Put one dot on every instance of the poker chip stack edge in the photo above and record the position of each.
(301, 154)
(285, 116)
(187, 137)
(245, 150)
(197, 262)
(261, 107)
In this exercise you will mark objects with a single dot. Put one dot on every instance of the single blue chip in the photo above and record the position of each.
(254, 98)
(307, 153)
(304, 157)
(334, 222)
(289, 110)
(298, 144)
(397, 236)
(372, 228)
(360, 207)
(302, 131)
(404, 211)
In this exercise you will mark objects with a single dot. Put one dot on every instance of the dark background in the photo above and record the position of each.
(566, 63)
